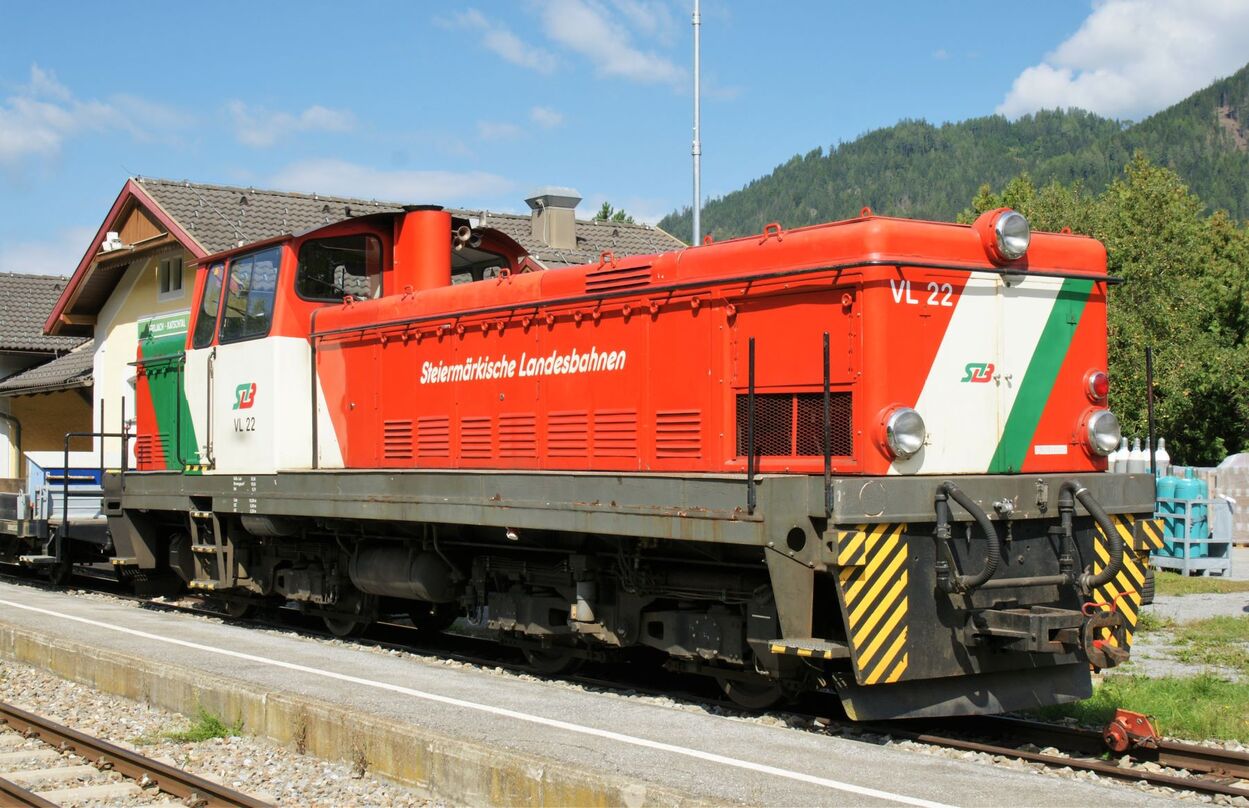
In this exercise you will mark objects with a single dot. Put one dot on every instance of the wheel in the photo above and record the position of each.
(344, 627)
(551, 661)
(1147, 591)
(753, 695)
(59, 574)
(432, 618)
(237, 609)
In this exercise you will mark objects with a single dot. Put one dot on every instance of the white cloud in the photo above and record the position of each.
(259, 127)
(341, 178)
(593, 31)
(40, 116)
(500, 39)
(546, 117)
(651, 18)
(498, 130)
(57, 256)
(941, 54)
(1131, 58)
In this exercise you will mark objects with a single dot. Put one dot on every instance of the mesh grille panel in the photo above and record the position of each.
(792, 425)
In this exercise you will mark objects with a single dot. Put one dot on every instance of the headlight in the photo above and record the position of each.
(905, 432)
(1013, 234)
(1104, 432)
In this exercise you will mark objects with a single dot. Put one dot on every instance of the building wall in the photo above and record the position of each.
(11, 363)
(46, 417)
(137, 297)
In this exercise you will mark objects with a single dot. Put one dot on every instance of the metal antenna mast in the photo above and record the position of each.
(697, 150)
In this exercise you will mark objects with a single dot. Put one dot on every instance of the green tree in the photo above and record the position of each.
(609, 214)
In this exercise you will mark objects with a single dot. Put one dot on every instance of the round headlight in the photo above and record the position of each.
(1098, 385)
(905, 432)
(1013, 234)
(1104, 432)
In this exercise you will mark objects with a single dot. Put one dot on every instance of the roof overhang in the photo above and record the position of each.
(99, 272)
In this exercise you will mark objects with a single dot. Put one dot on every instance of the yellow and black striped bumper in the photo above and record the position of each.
(872, 580)
(1123, 592)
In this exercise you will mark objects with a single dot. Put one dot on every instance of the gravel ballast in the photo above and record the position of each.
(262, 769)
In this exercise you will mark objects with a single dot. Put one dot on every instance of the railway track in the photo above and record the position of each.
(1180, 766)
(1202, 769)
(48, 764)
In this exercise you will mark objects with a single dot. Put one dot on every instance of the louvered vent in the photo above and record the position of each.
(792, 425)
(613, 279)
(397, 440)
(568, 434)
(678, 433)
(615, 433)
(433, 436)
(151, 447)
(518, 435)
(477, 438)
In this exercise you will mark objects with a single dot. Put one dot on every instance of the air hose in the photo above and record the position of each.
(1090, 581)
(967, 583)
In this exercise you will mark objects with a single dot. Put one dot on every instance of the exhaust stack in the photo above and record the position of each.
(422, 257)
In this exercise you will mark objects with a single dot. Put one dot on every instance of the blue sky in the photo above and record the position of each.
(475, 104)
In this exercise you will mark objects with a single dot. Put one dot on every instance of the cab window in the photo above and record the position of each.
(331, 269)
(206, 320)
(250, 289)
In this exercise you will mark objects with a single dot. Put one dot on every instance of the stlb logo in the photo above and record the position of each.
(245, 396)
(977, 372)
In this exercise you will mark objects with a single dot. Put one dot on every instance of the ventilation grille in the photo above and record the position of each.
(678, 433)
(613, 279)
(477, 438)
(615, 433)
(397, 440)
(151, 447)
(792, 425)
(568, 434)
(518, 435)
(433, 436)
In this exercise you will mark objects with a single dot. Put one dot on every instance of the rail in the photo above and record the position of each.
(124, 436)
(185, 786)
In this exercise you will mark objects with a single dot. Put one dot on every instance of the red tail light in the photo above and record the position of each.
(1097, 385)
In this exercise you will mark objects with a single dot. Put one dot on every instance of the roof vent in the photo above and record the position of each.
(554, 216)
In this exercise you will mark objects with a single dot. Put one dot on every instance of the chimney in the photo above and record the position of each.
(422, 249)
(554, 216)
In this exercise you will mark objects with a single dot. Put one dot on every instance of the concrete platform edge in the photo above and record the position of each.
(446, 768)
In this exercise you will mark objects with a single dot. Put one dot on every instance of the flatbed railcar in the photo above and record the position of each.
(866, 457)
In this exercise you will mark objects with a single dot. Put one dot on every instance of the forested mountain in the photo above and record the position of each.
(919, 170)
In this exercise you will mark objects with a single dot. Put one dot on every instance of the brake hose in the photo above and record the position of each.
(967, 583)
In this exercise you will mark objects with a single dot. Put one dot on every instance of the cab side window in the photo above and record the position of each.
(331, 269)
(250, 289)
(206, 320)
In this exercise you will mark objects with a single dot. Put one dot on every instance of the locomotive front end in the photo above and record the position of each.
(983, 559)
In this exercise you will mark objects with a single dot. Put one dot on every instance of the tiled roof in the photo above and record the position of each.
(65, 372)
(25, 301)
(221, 217)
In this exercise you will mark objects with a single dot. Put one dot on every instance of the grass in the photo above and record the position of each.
(1148, 621)
(1196, 708)
(205, 727)
(1221, 641)
(1173, 583)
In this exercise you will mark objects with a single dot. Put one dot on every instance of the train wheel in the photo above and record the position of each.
(344, 627)
(59, 574)
(551, 661)
(753, 695)
(432, 618)
(238, 609)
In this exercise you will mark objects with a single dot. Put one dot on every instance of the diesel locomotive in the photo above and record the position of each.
(866, 457)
